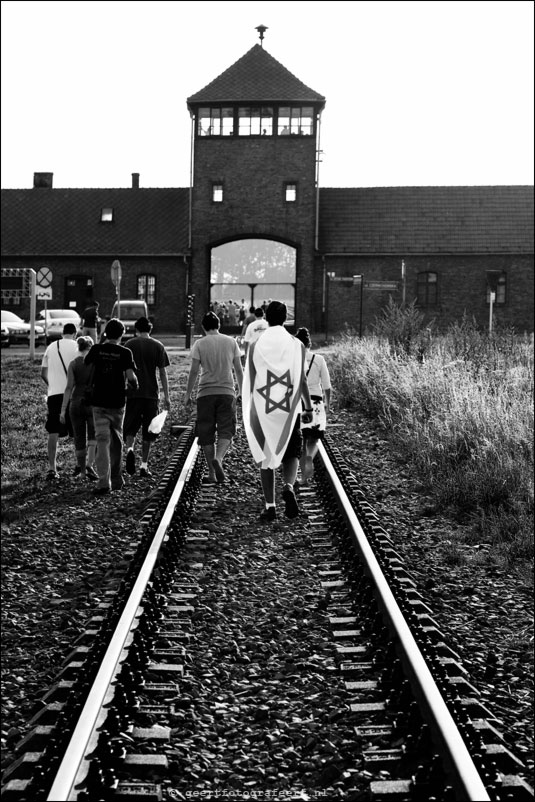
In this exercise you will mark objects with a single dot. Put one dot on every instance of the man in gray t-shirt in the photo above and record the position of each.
(213, 360)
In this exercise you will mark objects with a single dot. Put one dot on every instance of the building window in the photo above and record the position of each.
(217, 193)
(215, 121)
(496, 282)
(106, 215)
(427, 289)
(290, 193)
(146, 288)
(295, 120)
(255, 121)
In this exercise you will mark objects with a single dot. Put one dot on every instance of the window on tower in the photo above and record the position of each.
(255, 121)
(215, 121)
(295, 120)
(217, 193)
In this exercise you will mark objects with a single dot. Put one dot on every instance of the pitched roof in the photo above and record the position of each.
(491, 219)
(256, 77)
(67, 221)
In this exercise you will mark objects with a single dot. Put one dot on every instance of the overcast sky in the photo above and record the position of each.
(418, 93)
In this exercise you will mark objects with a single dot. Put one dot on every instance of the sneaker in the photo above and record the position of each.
(130, 462)
(77, 471)
(101, 491)
(144, 472)
(291, 509)
(218, 470)
(208, 480)
(52, 475)
(269, 514)
(91, 474)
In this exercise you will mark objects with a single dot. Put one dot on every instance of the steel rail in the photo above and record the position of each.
(472, 786)
(70, 769)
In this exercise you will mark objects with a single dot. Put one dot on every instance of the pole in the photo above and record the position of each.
(491, 304)
(403, 282)
(361, 294)
(33, 291)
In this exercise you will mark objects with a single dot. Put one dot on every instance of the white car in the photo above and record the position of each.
(15, 330)
(55, 319)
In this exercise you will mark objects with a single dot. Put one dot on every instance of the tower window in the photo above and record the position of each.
(215, 121)
(106, 215)
(427, 289)
(255, 121)
(217, 193)
(290, 193)
(496, 282)
(146, 288)
(295, 120)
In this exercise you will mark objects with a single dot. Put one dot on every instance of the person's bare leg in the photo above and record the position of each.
(221, 449)
(209, 453)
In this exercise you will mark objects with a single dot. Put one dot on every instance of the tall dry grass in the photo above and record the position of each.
(459, 409)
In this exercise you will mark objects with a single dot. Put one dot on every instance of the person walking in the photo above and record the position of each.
(54, 365)
(274, 387)
(249, 318)
(319, 385)
(81, 411)
(216, 360)
(142, 405)
(112, 363)
(254, 329)
(90, 321)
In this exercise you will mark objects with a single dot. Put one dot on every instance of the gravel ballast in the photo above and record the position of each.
(60, 543)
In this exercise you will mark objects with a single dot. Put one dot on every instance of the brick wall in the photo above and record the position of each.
(462, 283)
(253, 173)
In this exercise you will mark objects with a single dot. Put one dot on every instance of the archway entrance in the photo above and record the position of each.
(251, 272)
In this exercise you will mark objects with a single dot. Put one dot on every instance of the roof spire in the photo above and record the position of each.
(261, 29)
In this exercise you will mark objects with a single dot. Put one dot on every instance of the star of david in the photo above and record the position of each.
(272, 381)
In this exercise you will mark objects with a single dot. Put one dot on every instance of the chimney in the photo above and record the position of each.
(135, 180)
(42, 180)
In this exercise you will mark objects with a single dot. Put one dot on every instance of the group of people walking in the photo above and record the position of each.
(285, 393)
(104, 393)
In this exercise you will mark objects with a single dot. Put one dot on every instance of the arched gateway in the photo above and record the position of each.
(251, 272)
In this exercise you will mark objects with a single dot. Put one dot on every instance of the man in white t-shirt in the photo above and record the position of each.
(216, 361)
(254, 329)
(54, 367)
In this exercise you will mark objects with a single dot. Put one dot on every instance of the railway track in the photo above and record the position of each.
(182, 685)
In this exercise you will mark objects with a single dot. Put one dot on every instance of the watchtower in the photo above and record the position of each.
(255, 133)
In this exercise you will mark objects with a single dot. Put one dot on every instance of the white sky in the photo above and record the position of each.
(418, 93)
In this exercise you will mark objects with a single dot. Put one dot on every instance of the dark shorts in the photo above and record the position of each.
(215, 413)
(53, 425)
(139, 413)
(294, 449)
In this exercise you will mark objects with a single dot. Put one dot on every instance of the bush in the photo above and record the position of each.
(462, 415)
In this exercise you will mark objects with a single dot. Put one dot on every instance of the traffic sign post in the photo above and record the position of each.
(116, 274)
(44, 291)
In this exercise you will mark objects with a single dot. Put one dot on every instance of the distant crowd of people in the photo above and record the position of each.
(104, 393)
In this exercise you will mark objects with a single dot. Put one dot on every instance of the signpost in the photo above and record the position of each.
(381, 286)
(116, 274)
(44, 291)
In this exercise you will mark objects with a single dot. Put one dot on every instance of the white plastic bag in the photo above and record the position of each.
(156, 424)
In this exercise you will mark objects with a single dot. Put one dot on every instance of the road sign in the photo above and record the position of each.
(44, 293)
(44, 277)
(116, 271)
(381, 285)
(341, 278)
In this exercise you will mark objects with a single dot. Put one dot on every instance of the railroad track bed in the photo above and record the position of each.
(261, 663)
